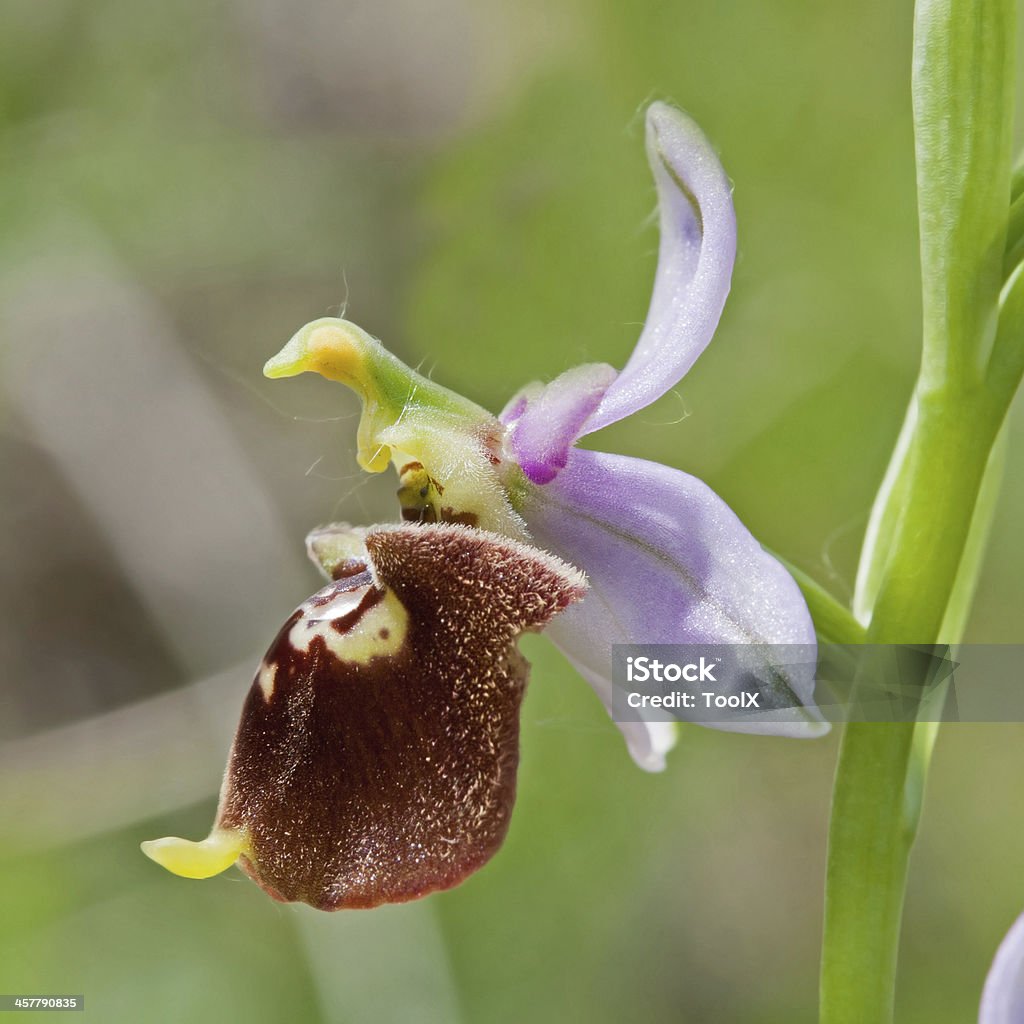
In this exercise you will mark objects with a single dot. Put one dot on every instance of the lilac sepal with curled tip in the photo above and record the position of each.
(668, 560)
(669, 563)
(696, 255)
(1002, 1001)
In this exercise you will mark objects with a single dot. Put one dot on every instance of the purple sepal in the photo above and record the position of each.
(1002, 1001)
(545, 420)
(668, 562)
(695, 260)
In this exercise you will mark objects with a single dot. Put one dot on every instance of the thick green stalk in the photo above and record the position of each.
(963, 104)
(872, 824)
(867, 867)
(915, 548)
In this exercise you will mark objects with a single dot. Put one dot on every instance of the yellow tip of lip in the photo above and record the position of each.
(282, 365)
(275, 371)
(292, 360)
(335, 349)
(182, 857)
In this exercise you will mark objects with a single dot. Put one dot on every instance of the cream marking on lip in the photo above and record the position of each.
(265, 677)
(379, 631)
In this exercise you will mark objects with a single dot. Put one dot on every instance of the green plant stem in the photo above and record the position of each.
(917, 550)
(874, 816)
(867, 868)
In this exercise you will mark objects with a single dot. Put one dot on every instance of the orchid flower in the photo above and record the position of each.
(667, 560)
(375, 760)
(1002, 1000)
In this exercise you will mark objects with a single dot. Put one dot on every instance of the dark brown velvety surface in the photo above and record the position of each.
(382, 778)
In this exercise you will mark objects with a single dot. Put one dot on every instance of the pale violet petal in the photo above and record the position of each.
(695, 260)
(647, 741)
(1002, 1001)
(670, 563)
(544, 421)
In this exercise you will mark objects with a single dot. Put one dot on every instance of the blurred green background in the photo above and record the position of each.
(181, 187)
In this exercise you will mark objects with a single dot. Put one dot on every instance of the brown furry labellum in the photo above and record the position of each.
(375, 761)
